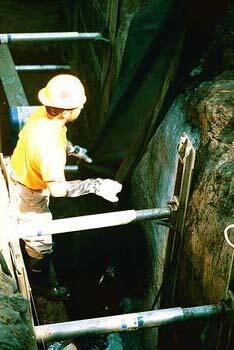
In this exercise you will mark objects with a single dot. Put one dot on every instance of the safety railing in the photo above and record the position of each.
(89, 222)
(6, 38)
(42, 67)
(128, 322)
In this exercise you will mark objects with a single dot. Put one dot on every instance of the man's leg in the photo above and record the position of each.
(33, 206)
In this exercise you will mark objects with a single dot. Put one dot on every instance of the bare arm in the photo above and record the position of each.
(57, 188)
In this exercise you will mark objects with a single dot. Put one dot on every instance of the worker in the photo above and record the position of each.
(39, 158)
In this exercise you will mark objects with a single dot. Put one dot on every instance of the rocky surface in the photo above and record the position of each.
(206, 115)
(207, 257)
(152, 186)
(16, 332)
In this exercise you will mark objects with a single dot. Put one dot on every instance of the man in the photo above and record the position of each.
(39, 158)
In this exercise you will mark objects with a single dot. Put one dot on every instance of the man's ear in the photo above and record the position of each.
(65, 114)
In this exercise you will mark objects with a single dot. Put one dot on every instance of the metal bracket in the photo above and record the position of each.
(179, 203)
(186, 161)
(184, 147)
(174, 203)
(19, 268)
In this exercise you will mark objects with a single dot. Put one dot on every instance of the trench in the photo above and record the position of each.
(106, 270)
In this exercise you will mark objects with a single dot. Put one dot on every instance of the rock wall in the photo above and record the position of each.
(152, 186)
(207, 259)
(207, 256)
(205, 115)
(15, 324)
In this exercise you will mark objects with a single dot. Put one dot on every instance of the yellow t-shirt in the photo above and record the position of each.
(40, 153)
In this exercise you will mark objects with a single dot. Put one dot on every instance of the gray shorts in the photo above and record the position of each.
(33, 206)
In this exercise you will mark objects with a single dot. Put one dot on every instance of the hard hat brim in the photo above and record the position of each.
(46, 101)
(43, 99)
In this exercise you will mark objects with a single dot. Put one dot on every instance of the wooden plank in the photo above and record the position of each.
(4, 224)
(185, 168)
(10, 80)
(19, 269)
(11, 236)
(97, 67)
(108, 62)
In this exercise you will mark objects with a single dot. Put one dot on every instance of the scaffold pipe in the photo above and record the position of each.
(6, 38)
(89, 222)
(42, 67)
(125, 322)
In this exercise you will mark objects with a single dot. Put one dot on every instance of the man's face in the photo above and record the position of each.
(73, 114)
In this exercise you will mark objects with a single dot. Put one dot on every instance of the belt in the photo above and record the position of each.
(31, 189)
(13, 178)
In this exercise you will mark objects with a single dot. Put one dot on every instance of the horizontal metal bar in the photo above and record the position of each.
(42, 67)
(155, 213)
(89, 222)
(54, 36)
(71, 169)
(125, 322)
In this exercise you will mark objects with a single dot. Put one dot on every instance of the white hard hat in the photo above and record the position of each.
(63, 91)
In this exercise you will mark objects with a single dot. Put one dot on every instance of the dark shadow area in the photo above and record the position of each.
(101, 267)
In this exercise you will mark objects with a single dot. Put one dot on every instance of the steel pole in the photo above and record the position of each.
(89, 222)
(37, 37)
(42, 67)
(125, 322)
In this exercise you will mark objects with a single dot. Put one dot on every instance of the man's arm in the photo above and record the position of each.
(57, 188)
(105, 188)
(72, 188)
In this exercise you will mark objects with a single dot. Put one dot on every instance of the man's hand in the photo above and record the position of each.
(78, 152)
(108, 189)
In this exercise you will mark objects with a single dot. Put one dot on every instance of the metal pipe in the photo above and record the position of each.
(71, 169)
(42, 67)
(125, 322)
(54, 36)
(89, 222)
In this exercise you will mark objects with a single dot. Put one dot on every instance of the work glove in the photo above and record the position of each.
(104, 188)
(108, 189)
(78, 152)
